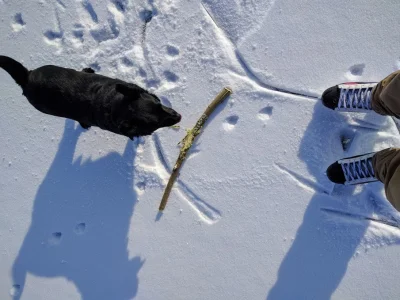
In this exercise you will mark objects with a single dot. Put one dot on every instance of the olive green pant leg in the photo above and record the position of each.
(386, 164)
(386, 96)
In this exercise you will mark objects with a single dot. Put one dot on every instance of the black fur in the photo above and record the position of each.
(91, 99)
(17, 71)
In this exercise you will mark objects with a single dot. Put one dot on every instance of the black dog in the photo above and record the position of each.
(91, 99)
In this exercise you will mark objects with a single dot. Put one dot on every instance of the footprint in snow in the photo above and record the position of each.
(18, 24)
(172, 51)
(230, 123)
(265, 113)
(80, 228)
(355, 71)
(170, 76)
(55, 238)
(15, 290)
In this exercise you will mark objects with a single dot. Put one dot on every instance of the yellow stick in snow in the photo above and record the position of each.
(188, 141)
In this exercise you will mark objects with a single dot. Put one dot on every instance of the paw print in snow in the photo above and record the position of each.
(101, 31)
(18, 23)
(89, 23)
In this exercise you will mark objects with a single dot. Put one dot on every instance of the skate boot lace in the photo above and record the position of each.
(355, 97)
(358, 169)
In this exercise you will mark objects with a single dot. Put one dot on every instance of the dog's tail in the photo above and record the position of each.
(17, 71)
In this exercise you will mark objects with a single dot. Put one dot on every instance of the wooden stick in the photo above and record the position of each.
(188, 140)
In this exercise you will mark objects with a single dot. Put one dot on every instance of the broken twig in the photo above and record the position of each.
(188, 140)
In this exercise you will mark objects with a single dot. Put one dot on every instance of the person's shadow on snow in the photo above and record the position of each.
(80, 223)
(324, 243)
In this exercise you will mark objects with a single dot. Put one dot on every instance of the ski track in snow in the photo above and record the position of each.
(360, 216)
(305, 183)
(247, 69)
(207, 212)
(61, 4)
(384, 230)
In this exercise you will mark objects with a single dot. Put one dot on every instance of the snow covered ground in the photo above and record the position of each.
(253, 215)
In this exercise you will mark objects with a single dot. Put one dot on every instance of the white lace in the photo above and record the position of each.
(358, 169)
(355, 97)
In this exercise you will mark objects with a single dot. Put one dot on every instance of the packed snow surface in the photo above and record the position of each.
(252, 215)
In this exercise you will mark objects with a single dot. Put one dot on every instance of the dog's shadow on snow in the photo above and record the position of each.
(80, 223)
(324, 244)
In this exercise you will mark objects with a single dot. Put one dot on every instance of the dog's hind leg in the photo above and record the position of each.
(88, 70)
(84, 126)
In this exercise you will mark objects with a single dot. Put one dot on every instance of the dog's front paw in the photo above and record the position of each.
(88, 70)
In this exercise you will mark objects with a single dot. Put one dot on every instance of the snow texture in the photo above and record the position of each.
(252, 215)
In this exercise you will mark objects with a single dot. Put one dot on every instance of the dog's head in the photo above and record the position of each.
(141, 113)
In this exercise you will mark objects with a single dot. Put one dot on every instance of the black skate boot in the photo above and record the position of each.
(352, 170)
(349, 97)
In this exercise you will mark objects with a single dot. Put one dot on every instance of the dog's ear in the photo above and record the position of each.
(127, 90)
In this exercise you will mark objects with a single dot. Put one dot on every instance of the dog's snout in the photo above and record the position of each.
(172, 116)
(177, 115)
(172, 113)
